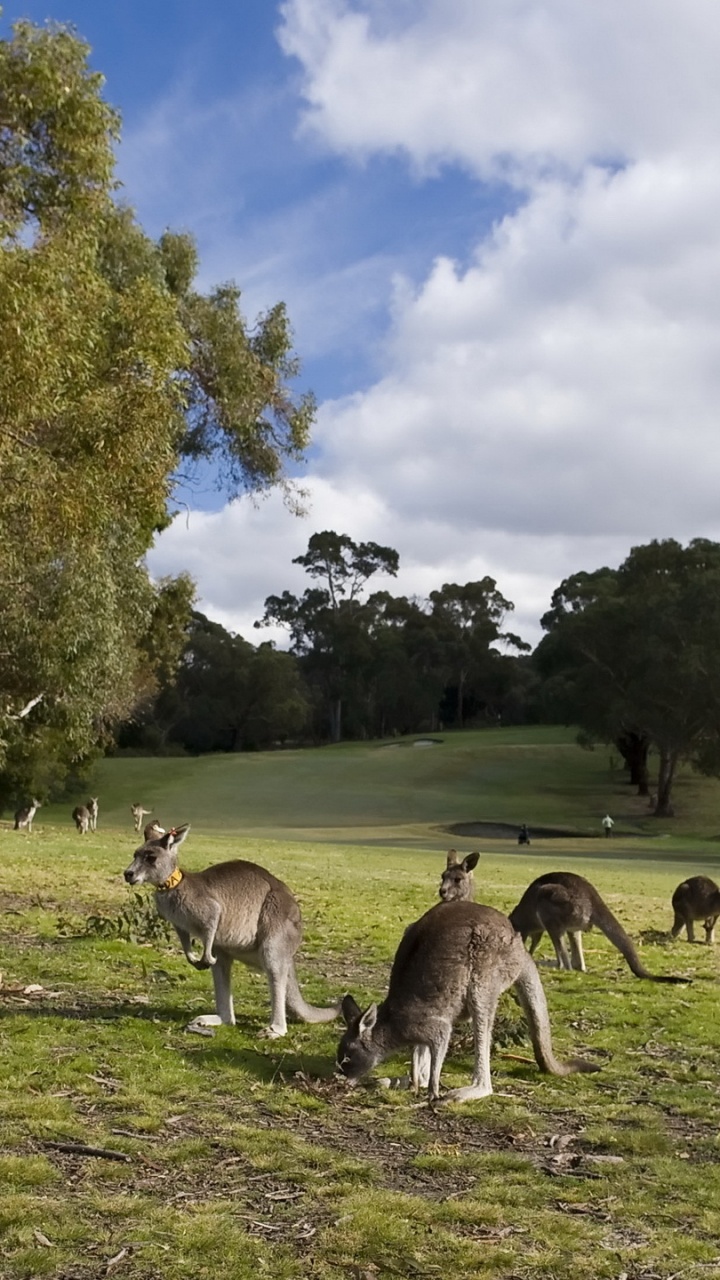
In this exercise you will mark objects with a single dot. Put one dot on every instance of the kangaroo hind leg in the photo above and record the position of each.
(576, 950)
(276, 960)
(482, 1006)
(562, 954)
(224, 1014)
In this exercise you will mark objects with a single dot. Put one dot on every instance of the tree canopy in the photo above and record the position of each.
(633, 655)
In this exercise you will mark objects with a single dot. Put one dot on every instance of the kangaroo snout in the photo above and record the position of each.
(129, 875)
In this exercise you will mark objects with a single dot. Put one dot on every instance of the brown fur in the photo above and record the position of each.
(696, 899)
(452, 963)
(563, 903)
(238, 911)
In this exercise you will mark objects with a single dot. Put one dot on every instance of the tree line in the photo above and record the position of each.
(630, 655)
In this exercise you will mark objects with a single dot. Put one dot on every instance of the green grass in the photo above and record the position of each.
(245, 1157)
(374, 791)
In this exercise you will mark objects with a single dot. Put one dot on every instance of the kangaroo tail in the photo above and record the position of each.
(532, 998)
(605, 921)
(307, 1012)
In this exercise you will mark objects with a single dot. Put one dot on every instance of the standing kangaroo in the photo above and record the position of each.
(81, 818)
(696, 899)
(560, 903)
(238, 911)
(456, 881)
(454, 962)
(93, 810)
(138, 814)
(24, 817)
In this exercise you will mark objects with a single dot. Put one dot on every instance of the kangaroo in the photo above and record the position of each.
(24, 817)
(81, 818)
(152, 829)
(696, 899)
(93, 810)
(138, 814)
(454, 962)
(563, 903)
(456, 881)
(238, 911)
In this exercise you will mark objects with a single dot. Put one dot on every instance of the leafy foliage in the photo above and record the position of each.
(114, 368)
(138, 922)
(634, 654)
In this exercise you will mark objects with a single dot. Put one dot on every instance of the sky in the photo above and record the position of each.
(496, 227)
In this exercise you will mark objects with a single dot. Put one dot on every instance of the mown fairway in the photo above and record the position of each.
(243, 1157)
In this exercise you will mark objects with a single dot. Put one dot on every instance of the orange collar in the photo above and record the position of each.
(172, 881)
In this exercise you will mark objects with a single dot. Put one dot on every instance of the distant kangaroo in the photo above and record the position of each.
(238, 911)
(24, 817)
(81, 818)
(456, 881)
(563, 903)
(696, 899)
(138, 814)
(454, 962)
(152, 830)
(93, 809)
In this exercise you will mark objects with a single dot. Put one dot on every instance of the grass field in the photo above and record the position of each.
(239, 1157)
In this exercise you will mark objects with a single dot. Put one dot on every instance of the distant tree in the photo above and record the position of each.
(225, 695)
(114, 368)
(330, 626)
(636, 652)
(469, 619)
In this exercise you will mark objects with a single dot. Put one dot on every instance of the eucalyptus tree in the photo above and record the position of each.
(329, 625)
(115, 368)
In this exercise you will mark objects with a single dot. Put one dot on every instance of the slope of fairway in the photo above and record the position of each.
(406, 789)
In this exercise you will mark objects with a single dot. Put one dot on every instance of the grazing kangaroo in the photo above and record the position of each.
(696, 899)
(138, 814)
(560, 903)
(93, 809)
(456, 881)
(81, 818)
(238, 911)
(454, 962)
(24, 817)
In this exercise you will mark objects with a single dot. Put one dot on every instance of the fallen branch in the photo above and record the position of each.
(80, 1149)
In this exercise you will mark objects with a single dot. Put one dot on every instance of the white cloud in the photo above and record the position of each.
(507, 86)
(556, 401)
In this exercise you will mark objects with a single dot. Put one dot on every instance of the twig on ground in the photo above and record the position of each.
(80, 1149)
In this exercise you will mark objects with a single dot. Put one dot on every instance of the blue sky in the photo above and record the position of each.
(496, 228)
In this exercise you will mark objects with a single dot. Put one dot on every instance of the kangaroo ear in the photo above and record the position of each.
(368, 1019)
(452, 858)
(471, 861)
(177, 835)
(350, 1010)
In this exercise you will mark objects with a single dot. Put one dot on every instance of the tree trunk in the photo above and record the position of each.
(460, 698)
(336, 719)
(634, 748)
(666, 775)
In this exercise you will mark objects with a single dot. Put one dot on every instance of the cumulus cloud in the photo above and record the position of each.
(553, 401)
(508, 87)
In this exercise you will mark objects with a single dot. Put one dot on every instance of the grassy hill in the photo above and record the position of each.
(400, 791)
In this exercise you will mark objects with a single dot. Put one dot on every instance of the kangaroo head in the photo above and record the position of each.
(456, 882)
(357, 1054)
(155, 860)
